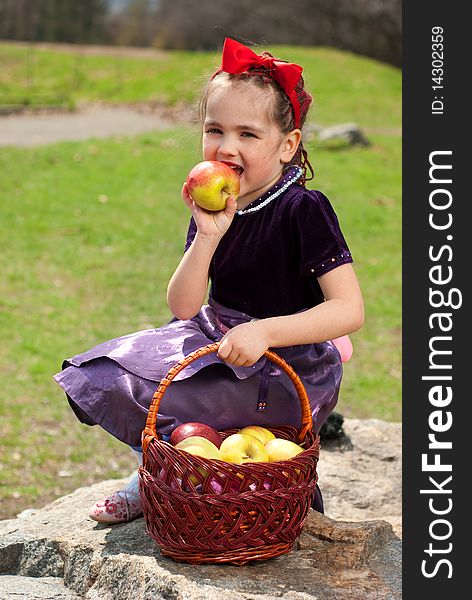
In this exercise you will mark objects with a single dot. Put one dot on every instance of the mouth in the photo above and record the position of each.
(237, 168)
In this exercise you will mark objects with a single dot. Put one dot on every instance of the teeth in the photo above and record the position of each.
(239, 170)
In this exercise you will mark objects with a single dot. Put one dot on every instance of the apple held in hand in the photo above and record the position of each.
(279, 449)
(261, 433)
(241, 448)
(211, 182)
(187, 430)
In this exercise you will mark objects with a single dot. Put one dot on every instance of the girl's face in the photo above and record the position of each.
(239, 130)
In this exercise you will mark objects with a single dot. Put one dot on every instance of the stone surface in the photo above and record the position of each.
(34, 588)
(333, 559)
(348, 132)
(360, 473)
(343, 543)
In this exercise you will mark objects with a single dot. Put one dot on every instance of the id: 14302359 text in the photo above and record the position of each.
(437, 70)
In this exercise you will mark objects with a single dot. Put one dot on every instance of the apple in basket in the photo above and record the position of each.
(217, 485)
(279, 449)
(199, 446)
(187, 430)
(255, 487)
(241, 448)
(211, 182)
(261, 433)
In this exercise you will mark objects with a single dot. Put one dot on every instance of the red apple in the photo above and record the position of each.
(211, 182)
(186, 430)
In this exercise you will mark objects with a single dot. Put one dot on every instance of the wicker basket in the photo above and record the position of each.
(210, 511)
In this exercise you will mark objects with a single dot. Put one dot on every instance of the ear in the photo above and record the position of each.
(290, 145)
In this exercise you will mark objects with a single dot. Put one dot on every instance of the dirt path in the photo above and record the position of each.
(87, 122)
(98, 121)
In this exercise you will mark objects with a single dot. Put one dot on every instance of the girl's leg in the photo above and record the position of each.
(123, 505)
(317, 503)
(344, 346)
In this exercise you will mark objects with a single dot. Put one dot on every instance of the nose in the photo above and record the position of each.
(227, 147)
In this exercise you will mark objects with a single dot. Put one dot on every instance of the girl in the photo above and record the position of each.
(281, 277)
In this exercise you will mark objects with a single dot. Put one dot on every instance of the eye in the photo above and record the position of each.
(248, 134)
(213, 130)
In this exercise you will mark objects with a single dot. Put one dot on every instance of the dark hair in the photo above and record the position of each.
(282, 108)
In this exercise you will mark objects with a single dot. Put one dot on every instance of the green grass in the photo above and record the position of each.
(345, 87)
(92, 231)
(30, 75)
(365, 186)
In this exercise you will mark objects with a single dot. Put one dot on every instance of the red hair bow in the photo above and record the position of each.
(238, 58)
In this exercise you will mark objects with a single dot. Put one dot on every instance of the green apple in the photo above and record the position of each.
(211, 182)
(241, 448)
(261, 433)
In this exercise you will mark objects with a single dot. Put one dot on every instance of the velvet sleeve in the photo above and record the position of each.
(192, 230)
(320, 241)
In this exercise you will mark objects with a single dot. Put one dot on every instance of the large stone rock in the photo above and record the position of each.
(15, 587)
(360, 473)
(333, 559)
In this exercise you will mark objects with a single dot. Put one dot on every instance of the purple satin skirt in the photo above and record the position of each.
(113, 383)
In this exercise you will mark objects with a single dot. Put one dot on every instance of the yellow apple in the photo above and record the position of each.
(199, 446)
(211, 182)
(261, 433)
(241, 448)
(279, 449)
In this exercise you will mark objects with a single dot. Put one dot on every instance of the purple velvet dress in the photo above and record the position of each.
(266, 265)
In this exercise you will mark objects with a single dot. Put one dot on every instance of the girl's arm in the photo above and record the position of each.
(342, 313)
(188, 285)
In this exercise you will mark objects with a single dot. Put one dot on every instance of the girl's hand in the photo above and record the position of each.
(214, 224)
(244, 344)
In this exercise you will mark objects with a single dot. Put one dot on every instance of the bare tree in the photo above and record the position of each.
(19, 19)
(135, 25)
(52, 20)
(370, 27)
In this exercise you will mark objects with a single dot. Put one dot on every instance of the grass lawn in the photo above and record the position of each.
(92, 231)
(346, 87)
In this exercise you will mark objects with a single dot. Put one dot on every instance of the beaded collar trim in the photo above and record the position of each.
(293, 175)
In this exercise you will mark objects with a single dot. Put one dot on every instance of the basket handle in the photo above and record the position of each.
(149, 431)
